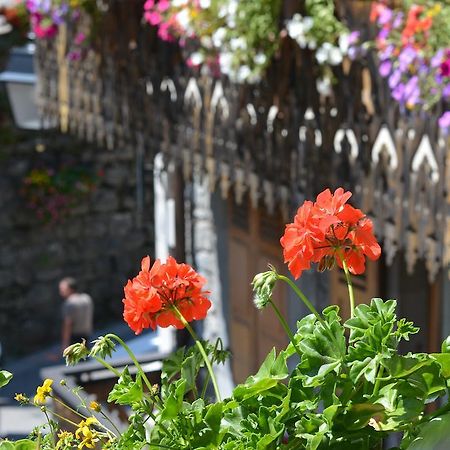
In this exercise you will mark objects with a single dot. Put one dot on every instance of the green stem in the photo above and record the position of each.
(108, 366)
(285, 326)
(378, 380)
(351, 294)
(133, 358)
(111, 422)
(308, 304)
(202, 352)
(302, 297)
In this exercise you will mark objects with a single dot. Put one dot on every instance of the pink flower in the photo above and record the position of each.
(149, 4)
(163, 5)
(153, 18)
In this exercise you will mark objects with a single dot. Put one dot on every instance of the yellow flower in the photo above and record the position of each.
(95, 406)
(65, 438)
(21, 398)
(42, 392)
(85, 434)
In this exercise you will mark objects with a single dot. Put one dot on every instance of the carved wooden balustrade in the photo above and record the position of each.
(276, 142)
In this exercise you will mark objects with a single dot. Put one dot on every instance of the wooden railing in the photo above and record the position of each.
(275, 142)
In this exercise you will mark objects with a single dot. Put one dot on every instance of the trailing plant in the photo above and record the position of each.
(414, 53)
(53, 193)
(349, 385)
(47, 17)
(240, 38)
(236, 38)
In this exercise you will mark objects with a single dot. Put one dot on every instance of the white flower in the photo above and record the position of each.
(344, 43)
(232, 7)
(219, 36)
(238, 44)
(324, 86)
(205, 4)
(297, 29)
(322, 54)
(335, 56)
(206, 42)
(243, 73)
(260, 58)
(196, 58)
(179, 3)
(226, 61)
(183, 18)
(328, 53)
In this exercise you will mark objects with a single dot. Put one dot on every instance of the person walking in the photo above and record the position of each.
(77, 313)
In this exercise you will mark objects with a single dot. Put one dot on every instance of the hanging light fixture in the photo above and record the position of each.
(20, 81)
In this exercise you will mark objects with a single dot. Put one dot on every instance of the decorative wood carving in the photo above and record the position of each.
(277, 142)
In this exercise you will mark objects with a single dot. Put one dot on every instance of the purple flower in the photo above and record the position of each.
(398, 92)
(412, 91)
(436, 60)
(385, 16)
(406, 57)
(444, 120)
(385, 68)
(387, 52)
(395, 78)
(353, 37)
(398, 20)
(383, 34)
(446, 91)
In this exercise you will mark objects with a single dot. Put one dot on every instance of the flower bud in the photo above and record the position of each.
(263, 285)
(95, 406)
(75, 352)
(103, 347)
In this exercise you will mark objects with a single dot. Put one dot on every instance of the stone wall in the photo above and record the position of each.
(100, 243)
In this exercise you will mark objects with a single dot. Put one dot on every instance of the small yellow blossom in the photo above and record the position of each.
(42, 392)
(95, 406)
(65, 438)
(85, 434)
(21, 398)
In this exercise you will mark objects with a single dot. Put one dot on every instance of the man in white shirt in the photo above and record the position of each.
(77, 313)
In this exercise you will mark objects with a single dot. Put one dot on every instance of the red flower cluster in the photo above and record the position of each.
(152, 296)
(415, 23)
(326, 231)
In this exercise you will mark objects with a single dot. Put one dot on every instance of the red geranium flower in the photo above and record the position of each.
(329, 231)
(154, 295)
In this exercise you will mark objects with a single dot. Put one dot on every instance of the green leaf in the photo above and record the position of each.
(173, 403)
(25, 444)
(444, 361)
(433, 435)
(5, 378)
(126, 391)
(445, 347)
(272, 370)
(401, 366)
(6, 445)
(189, 370)
(358, 415)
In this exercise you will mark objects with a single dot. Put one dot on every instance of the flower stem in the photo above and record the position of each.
(302, 297)
(133, 358)
(202, 352)
(351, 294)
(108, 366)
(285, 326)
(378, 380)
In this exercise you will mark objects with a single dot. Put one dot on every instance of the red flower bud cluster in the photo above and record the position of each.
(329, 231)
(154, 296)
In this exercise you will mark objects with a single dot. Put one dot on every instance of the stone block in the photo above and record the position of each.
(104, 200)
(6, 278)
(116, 175)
